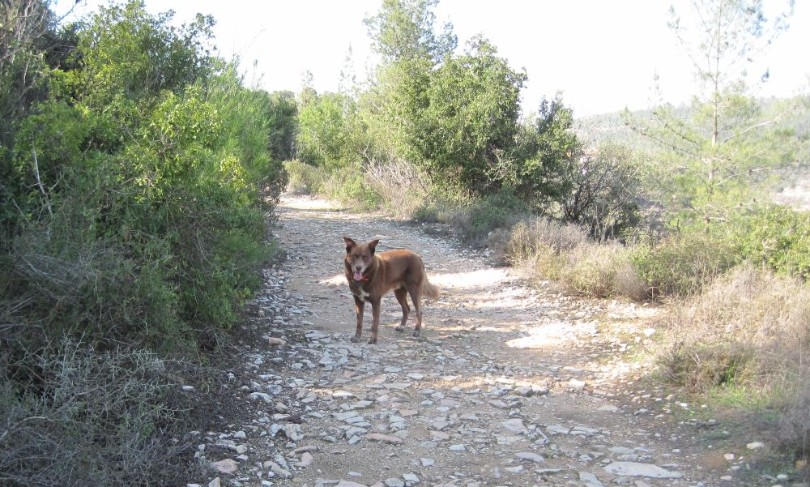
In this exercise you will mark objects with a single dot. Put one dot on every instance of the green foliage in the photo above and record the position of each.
(143, 181)
(457, 116)
(683, 263)
(29, 47)
(125, 51)
(283, 124)
(351, 186)
(777, 237)
(473, 104)
(499, 210)
(539, 167)
(325, 130)
(718, 157)
(391, 109)
(403, 29)
(304, 178)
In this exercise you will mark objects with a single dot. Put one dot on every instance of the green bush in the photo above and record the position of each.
(351, 186)
(500, 210)
(303, 178)
(683, 263)
(777, 237)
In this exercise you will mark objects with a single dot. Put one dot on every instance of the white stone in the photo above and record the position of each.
(226, 466)
(530, 456)
(634, 469)
(515, 426)
(410, 479)
(558, 429)
(590, 480)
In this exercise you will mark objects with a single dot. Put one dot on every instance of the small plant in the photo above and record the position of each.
(602, 270)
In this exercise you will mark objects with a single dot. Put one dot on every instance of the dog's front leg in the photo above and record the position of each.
(375, 322)
(359, 308)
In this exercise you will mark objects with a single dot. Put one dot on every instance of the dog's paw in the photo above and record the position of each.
(355, 339)
(373, 341)
(399, 329)
(417, 333)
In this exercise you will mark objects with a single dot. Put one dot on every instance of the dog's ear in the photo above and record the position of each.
(349, 244)
(373, 245)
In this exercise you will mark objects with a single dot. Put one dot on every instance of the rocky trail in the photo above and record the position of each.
(509, 384)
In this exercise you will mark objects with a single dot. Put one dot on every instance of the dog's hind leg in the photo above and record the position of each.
(416, 297)
(402, 296)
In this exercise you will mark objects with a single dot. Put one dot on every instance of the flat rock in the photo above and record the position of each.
(634, 469)
(226, 466)
(530, 456)
(395, 440)
(306, 460)
(515, 426)
(590, 480)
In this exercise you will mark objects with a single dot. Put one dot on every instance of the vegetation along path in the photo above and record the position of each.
(510, 384)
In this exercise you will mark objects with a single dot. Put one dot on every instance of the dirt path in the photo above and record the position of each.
(508, 385)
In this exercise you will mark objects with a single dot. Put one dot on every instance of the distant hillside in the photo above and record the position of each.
(795, 113)
(793, 185)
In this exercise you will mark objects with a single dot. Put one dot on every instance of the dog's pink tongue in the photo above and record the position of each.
(358, 276)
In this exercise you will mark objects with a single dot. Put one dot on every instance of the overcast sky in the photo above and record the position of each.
(601, 55)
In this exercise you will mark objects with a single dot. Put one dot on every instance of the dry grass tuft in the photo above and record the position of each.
(564, 253)
(402, 186)
(750, 329)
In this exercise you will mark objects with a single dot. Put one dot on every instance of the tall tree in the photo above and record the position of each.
(283, 125)
(718, 153)
(471, 115)
(403, 33)
(404, 29)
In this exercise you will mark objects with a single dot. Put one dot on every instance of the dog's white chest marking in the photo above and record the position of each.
(363, 294)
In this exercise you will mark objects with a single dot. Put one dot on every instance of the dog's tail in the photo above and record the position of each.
(429, 289)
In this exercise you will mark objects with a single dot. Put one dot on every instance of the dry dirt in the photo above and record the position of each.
(511, 383)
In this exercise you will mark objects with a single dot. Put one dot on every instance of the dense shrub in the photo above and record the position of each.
(683, 263)
(303, 178)
(140, 182)
(91, 418)
(352, 186)
(777, 237)
(500, 210)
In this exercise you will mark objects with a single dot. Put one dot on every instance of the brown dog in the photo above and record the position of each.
(371, 276)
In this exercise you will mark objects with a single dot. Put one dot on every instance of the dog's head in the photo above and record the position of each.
(359, 257)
